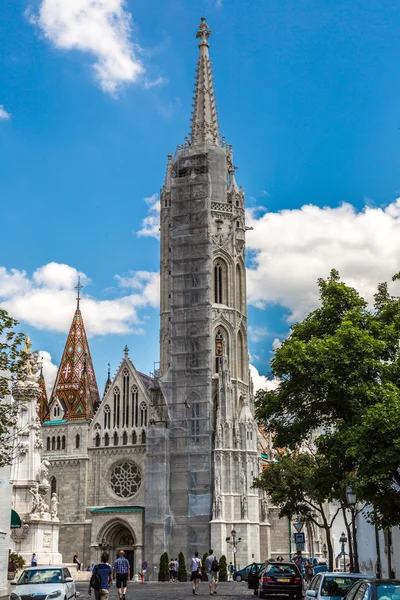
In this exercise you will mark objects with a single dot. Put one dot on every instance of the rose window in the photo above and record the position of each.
(125, 480)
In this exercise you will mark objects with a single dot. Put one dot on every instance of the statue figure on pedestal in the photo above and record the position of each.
(44, 473)
(54, 507)
(244, 507)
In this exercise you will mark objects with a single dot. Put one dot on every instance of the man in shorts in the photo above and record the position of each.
(212, 575)
(104, 571)
(122, 571)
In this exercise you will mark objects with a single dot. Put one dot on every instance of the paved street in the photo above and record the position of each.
(166, 591)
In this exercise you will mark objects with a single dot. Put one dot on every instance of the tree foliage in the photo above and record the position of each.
(339, 374)
(12, 357)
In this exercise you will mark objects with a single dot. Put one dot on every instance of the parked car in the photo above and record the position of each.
(375, 589)
(44, 583)
(279, 579)
(326, 586)
(243, 574)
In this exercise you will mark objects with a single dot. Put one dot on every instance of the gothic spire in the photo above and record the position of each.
(204, 121)
(108, 382)
(43, 405)
(75, 385)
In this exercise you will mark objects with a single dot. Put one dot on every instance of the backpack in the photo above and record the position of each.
(215, 565)
(95, 580)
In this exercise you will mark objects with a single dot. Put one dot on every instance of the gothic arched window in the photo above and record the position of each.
(143, 414)
(53, 443)
(77, 441)
(241, 357)
(107, 417)
(56, 411)
(134, 437)
(115, 440)
(220, 282)
(219, 348)
(48, 445)
(63, 442)
(239, 288)
(116, 407)
(97, 440)
(143, 437)
(124, 438)
(53, 486)
(106, 440)
(135, 406)
(125, 398)
(58, 443)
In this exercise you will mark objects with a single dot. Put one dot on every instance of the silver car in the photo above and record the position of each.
(44, 583)
(332, 586)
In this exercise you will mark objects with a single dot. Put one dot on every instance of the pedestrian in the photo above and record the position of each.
(297, 559)
(212, 568)
(231, 570)
(144, 569)
(76, 561)
(101, 579)
(196, 573)
(33, 560)
(122, 572)
(279, 559)
(308, 571)
(176, 569)
(171, 570)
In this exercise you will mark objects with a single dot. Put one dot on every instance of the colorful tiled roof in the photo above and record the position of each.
(43, 405)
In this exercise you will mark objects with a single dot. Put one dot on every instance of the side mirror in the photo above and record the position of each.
(13, 582)
(68, 580)
(311, 593)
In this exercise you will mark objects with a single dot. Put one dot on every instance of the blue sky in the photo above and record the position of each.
(95, 93)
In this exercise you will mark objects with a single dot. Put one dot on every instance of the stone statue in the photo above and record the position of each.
(244, 507)
(217, 508)
(44, 473)
(217, 483)
(31, 368)
(54, 507)
(43, 508)
(243, 480)
(264, 509)
(36, 498)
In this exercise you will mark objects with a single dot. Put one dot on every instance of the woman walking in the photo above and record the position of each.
(196, 573)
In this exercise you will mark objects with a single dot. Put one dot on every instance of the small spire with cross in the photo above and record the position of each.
(126, 352)
(78, 288)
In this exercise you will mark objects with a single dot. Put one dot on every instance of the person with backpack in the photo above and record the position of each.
(212, 568)
(196, 573)
(101, 578)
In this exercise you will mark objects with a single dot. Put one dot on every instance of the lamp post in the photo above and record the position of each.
(325, 550)
(234, 542)
(351, 499)
(343, 541)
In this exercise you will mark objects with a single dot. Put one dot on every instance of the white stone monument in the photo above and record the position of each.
(29, 475)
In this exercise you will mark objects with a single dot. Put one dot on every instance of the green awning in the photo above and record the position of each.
(15, 520)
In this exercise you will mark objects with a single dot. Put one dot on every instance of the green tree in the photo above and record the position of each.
(12, 357)
(223, 567)
(164, 564)
(182, 564)
(339, 374)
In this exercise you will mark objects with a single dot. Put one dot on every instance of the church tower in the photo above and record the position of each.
(204, 365)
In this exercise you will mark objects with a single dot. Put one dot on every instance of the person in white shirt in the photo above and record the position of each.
(196, 573)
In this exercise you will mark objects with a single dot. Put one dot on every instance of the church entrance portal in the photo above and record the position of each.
(119, 537)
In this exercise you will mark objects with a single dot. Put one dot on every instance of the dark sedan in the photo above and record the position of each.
(375, 589)
(280, 579)
(243, 574)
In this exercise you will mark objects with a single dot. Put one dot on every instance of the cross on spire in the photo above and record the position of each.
(78, 288)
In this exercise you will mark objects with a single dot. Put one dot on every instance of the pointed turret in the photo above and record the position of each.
(43, 403)
(204, 121)
(75, 384)
(108, 382)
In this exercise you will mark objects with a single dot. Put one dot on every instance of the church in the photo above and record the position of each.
(166, 462)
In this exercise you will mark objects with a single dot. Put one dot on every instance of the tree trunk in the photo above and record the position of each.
(378, 550)
(349, 536)
(330, 547)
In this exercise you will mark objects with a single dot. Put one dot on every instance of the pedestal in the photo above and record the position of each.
(42, 539)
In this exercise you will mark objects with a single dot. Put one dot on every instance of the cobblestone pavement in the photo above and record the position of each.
(172, 591)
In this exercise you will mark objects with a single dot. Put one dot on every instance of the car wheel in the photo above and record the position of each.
(238, 578)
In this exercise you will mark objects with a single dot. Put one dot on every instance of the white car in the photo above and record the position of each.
(44, 583)
(332, 586)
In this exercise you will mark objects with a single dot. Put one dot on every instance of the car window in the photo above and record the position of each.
(385, 591)
(352, 591)
(336, 585)
(361, 591)
(282, 569)
(66, 573)
(314, 585)
(40, 576)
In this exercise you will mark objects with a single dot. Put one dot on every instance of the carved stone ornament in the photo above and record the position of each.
(19, 534)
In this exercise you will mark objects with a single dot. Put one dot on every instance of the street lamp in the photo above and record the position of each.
(234, 542)
(324, 550)
(343, 541)
(351, 499)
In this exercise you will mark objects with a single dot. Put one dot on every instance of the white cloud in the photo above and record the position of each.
(277, 343)
(100, 27)
(256, 334)
(150, 226)
(292, 248)
(3, 113)
(261, 382)
(47, 300)
(149, 83)
(49, 370)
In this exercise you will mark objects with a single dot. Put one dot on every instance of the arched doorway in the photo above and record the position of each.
(116, 536)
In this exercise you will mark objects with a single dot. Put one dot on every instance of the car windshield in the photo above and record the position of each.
(40, 576)
(387, 591)
(282, 569)
(336, 586)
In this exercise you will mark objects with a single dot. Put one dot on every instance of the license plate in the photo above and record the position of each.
(284, 580)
